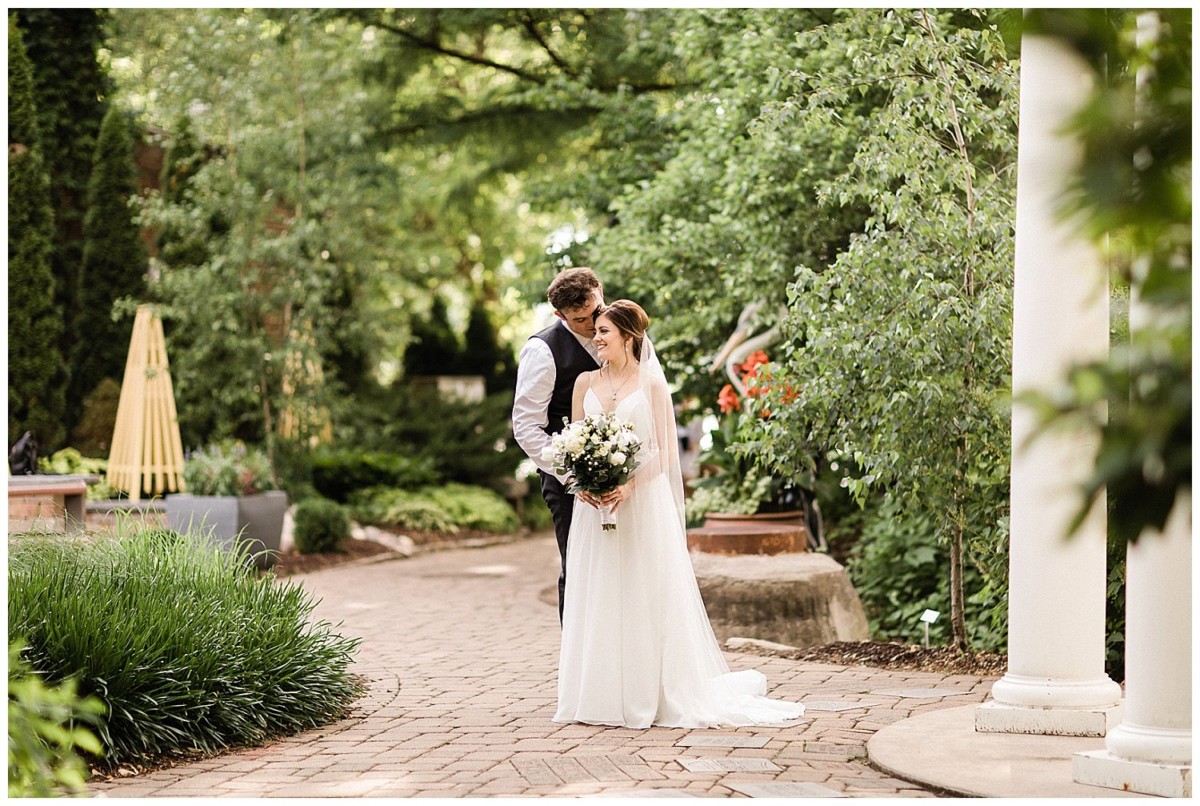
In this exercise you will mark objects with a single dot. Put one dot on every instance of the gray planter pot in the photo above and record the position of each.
(225, 519)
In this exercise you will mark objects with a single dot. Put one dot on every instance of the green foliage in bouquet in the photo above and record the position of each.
(186, 649)
(597, 453)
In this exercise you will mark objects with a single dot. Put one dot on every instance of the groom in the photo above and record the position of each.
(547, 368)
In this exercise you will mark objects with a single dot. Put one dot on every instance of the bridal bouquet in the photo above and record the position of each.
(597, 454)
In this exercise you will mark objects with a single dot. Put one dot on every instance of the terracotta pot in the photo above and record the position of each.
(767, 538)
(790, 518)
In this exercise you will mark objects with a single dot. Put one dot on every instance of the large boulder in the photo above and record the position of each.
(797, 599)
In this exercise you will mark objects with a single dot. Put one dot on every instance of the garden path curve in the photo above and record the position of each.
(460, 652)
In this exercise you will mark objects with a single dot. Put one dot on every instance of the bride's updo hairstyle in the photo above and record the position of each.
(631, 320)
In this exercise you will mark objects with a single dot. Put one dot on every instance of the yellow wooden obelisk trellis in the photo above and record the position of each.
(147, 454)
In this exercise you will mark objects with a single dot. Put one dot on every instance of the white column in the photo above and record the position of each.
(1055, 682)
(1151, 750)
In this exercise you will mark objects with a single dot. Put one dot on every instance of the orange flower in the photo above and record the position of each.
(728, 399)
(753, 361)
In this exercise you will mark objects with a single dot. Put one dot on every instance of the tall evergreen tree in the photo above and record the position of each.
(114, 261)
(434, 349)
(70, 91)
(484, 355)
(37, 373)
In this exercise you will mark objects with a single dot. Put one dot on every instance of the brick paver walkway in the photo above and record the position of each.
(460, 652)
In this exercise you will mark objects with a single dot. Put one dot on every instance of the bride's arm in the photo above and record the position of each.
(581, 386)
(582, 383)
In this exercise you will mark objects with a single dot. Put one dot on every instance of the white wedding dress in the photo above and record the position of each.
(637, 647)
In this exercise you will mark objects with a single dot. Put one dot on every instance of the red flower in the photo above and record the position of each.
(728, 399)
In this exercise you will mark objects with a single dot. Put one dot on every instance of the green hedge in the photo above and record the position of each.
(440, 509)
(185, 647)
(337, 474)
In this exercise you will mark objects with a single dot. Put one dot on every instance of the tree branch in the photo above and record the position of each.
(491, 113)
(531, 26)
(436, 47)
(433, 46)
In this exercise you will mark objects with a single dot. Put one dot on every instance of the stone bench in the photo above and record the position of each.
(47, 502)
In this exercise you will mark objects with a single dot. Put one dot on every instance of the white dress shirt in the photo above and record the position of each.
(536, 374)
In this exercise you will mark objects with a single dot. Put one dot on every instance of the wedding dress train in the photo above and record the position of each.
(637, 647)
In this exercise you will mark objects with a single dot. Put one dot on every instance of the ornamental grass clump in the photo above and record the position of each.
(185, 647)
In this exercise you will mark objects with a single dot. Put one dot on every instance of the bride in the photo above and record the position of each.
(637, 648)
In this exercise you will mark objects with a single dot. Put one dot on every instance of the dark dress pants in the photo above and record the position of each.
(561, 504)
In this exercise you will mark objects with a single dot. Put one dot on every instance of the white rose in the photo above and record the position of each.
(548, 453)
(603, 450)
(617, 459)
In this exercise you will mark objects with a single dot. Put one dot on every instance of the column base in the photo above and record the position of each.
(1102, 768)
(995, 717)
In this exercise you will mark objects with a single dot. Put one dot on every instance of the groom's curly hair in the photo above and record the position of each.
(572, 288)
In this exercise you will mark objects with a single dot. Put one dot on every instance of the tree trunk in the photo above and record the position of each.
(958, 619)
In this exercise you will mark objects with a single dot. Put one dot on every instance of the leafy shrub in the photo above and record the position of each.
(386, 506)
(900, 569)
(227, 468)
(535, 514)
(439, 509)
(474, 507)
(47, 732)
(185, 648)
(320, 525)
(69, 461)
(337, 474)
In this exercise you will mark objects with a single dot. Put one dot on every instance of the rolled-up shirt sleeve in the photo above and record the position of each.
(535, 384)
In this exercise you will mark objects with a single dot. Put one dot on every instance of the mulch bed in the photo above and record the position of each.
(880, 655)
(293, 562)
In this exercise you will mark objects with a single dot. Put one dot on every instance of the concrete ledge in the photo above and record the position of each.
(1102, 768)
(941, 750)
(994, 717)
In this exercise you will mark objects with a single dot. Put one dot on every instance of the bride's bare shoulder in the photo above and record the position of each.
(585, 379)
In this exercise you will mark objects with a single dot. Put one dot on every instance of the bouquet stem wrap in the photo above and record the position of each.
(608, 518)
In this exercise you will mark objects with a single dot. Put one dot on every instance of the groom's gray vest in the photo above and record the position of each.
(570, 361)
